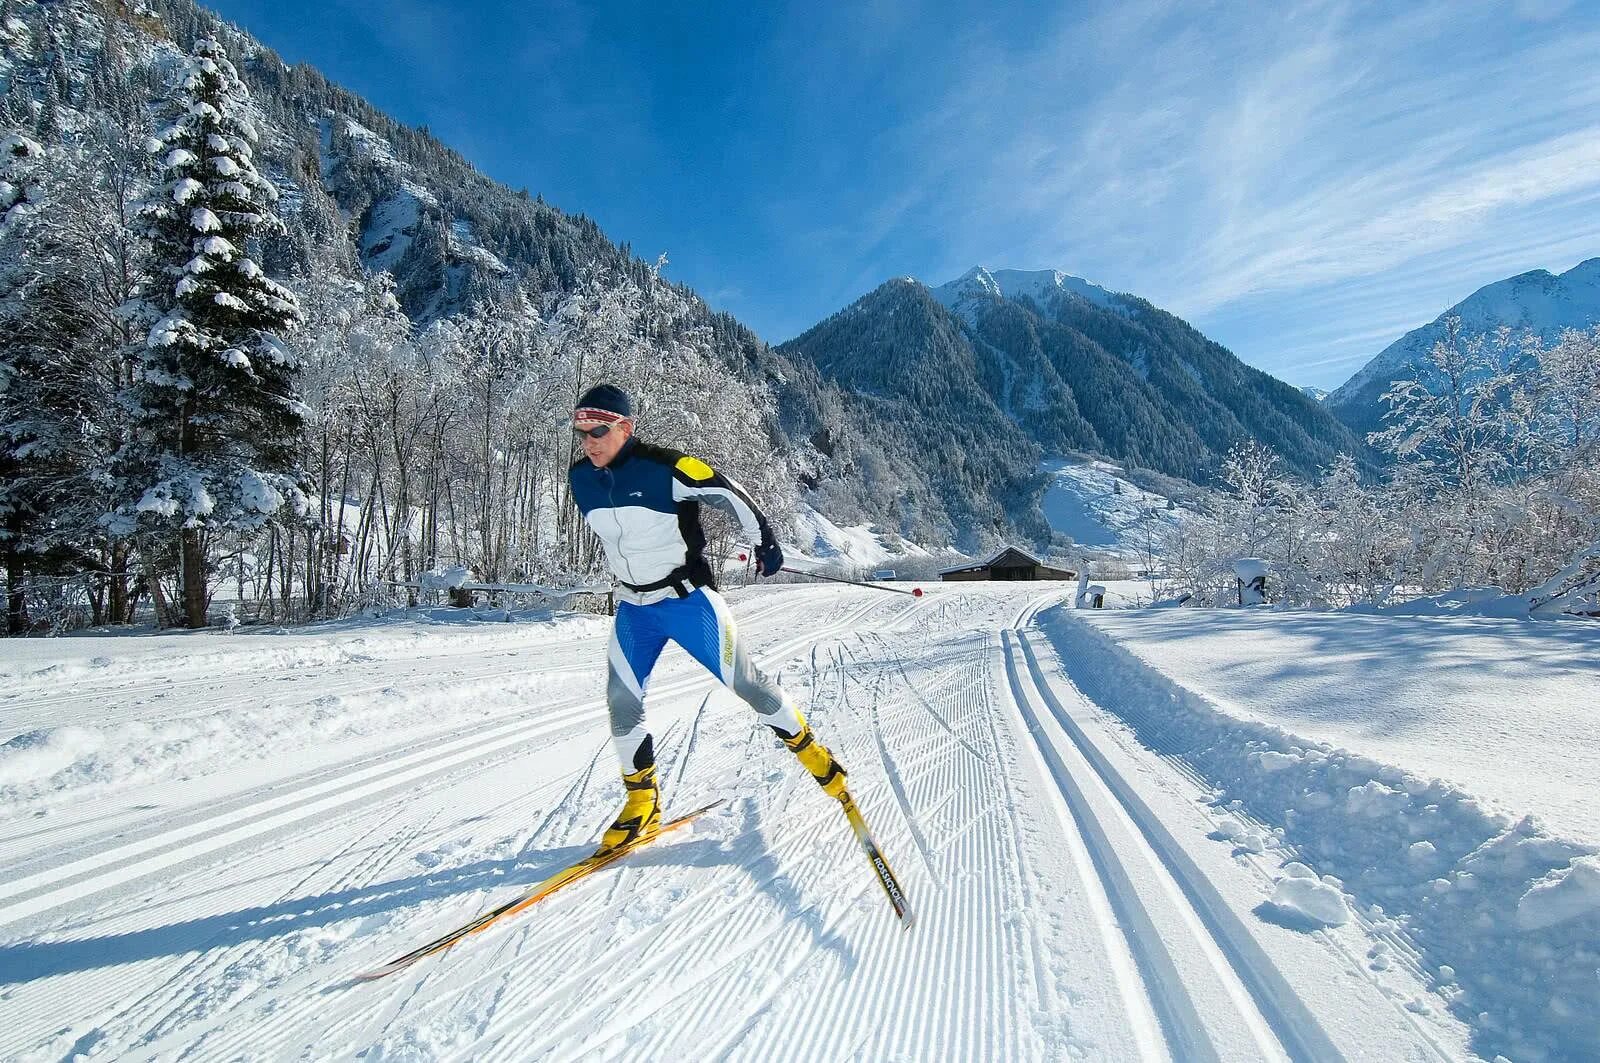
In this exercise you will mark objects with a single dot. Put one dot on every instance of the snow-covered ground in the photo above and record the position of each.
(206, 836)
(1101, 511)
(1507, 710)
(862, 546)
(1442, 769)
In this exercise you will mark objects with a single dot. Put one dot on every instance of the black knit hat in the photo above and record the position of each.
(607, 398)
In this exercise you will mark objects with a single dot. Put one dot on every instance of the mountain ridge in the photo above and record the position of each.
(1037, 285)
(1076, 366)
(1537, 300)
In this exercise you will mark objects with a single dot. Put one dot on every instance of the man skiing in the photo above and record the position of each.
(643, 502)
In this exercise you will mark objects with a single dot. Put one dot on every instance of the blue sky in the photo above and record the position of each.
(1302, 181)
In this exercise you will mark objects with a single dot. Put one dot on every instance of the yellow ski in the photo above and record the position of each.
(880, 866)
(565, 877)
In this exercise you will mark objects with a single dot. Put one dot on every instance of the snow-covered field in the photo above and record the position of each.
(1443, 769)
(1507, 710)
(1112, 854)
(1100, 511)
(824, 542)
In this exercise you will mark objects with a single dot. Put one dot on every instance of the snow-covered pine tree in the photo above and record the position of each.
(219, 423)
(50, 400)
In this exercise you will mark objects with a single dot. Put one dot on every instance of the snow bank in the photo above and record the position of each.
(1572, 593)
(1466, 601)
(1562, 897)
(45, 767)
(1440, 696)
(1505, 915)
(48, 664)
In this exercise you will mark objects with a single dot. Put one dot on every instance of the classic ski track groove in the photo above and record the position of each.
(1045, 1002)
(1273, 1012)
(1155, 986)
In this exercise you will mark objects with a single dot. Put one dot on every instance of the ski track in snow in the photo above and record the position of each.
(1060, 910)
(1205, 999)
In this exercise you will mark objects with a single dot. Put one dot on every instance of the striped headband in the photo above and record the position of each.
(591, 413)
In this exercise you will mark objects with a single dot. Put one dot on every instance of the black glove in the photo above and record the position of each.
(769, 558)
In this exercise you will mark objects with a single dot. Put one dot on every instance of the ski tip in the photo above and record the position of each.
(380, 972)
(689, 817)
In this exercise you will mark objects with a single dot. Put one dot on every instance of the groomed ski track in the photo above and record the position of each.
(1068, 902)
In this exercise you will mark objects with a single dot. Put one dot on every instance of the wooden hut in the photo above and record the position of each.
(1009, 564)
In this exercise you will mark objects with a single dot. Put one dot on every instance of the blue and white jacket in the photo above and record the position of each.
(645, 507)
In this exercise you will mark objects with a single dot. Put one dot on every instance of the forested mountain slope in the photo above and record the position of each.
(1068, 366)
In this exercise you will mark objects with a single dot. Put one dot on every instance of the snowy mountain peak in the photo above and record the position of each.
(976, 280)
(1585, 273)
(1037, 285)
(1537, 301)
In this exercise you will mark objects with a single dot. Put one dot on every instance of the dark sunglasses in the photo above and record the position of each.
(599, 431)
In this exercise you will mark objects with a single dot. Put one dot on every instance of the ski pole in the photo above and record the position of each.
(915, 592)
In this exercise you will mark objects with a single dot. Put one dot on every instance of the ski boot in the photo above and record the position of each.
(828, 772)
(640, 817)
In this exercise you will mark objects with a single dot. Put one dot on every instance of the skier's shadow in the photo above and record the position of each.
(29, 961)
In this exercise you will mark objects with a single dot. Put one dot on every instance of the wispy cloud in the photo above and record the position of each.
(1214, 155)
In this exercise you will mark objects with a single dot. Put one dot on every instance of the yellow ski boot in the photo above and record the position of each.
(828, 772)
(640, 817)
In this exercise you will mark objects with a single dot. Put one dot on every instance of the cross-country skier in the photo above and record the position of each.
(643, 502)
